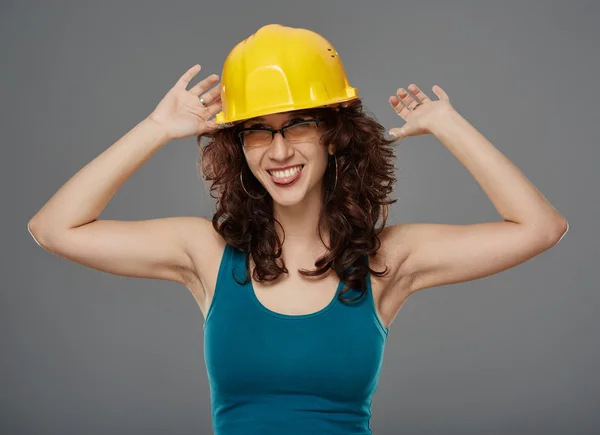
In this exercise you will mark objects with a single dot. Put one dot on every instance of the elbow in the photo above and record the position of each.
(558, 231)
(36, 232)
(33, 231)
(32, 227)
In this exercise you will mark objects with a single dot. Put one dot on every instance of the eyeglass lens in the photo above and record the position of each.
(295, 132)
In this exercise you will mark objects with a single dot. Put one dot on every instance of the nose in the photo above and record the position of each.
(279, 149)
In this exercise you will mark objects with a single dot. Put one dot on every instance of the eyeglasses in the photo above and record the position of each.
(297, 131)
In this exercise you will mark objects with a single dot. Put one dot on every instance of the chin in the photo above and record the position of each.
(287, 200)
(289, 195)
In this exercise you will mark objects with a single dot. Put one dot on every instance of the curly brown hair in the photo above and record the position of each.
(351, 207)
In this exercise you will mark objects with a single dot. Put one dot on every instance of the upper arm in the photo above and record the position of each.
(440, 254)
(154, 248)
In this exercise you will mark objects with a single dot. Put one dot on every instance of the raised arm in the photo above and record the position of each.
(68, 224)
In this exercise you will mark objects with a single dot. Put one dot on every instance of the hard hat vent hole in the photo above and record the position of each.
(332, 55)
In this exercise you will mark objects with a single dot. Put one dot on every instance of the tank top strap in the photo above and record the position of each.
(371, 298)
(225, 283)
(365, 307)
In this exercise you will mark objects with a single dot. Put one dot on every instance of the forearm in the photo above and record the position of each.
(83, 197)
(515, 198)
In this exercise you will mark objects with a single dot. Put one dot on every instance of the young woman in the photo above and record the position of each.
(297, 281)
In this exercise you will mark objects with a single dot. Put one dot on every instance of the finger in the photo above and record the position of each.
(400, 108)
(212, 94)
(398, 133)
(212, 125)
(419, 94)
(440, 93)
(184, 80)
(209, 101)
(213, 108)
(203, 85)
(406, 98)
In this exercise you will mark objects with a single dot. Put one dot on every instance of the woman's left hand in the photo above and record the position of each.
(425, 116)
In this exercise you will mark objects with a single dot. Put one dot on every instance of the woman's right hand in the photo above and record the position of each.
(182, 114)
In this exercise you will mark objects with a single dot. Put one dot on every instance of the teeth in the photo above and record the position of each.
(286, 173)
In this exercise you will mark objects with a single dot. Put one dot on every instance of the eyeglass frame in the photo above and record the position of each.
(279, 130)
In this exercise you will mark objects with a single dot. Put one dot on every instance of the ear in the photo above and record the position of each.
(330, 149)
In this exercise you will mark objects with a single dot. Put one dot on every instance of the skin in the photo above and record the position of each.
(187, 250)
(296, 207)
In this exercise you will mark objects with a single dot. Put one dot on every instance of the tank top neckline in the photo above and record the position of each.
(259, 304)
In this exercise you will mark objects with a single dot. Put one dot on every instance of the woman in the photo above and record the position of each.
(297, 282)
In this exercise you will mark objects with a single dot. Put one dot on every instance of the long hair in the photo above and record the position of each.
(351, 208)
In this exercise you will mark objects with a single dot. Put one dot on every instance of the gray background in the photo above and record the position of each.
(88, 352)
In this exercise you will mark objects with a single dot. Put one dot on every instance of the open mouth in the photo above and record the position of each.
(287, 177)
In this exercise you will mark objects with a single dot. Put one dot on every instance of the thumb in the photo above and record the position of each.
(398, 133)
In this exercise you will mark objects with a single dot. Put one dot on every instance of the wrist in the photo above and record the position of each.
(160, 133)
(445, 121)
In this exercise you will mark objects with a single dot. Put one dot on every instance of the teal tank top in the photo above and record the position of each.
(273, 373)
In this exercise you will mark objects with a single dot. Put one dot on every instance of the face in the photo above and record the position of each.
(290, 169)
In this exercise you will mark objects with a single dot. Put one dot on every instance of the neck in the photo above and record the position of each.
(300, 223)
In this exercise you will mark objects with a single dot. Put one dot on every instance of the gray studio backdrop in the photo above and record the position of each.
(83, 351)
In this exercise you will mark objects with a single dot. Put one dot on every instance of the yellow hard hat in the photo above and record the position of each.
(278, 69)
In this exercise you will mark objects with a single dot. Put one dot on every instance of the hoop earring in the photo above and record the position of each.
(242, 182)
